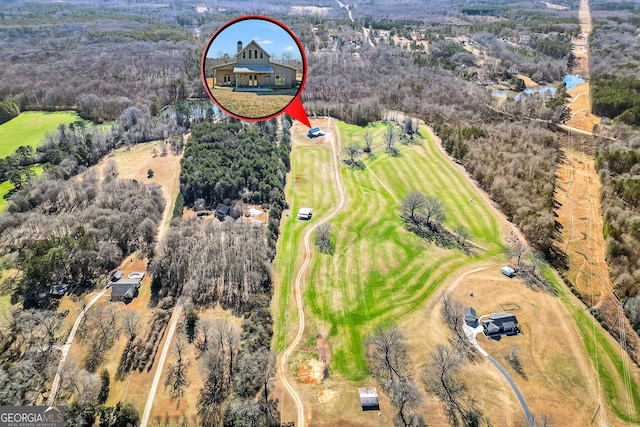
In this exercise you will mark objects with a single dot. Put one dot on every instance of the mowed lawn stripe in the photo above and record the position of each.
(483, 223)
(380, 272)
(306, 187)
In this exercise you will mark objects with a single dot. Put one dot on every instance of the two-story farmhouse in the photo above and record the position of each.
(252, 68)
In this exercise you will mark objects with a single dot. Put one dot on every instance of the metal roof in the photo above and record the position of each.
(253, 69)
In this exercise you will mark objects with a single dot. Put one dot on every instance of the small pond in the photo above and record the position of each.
(572, 81)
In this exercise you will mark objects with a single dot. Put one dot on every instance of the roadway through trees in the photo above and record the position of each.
(282, 366)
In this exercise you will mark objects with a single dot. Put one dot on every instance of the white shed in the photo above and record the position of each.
(305, 213)
(508, 271)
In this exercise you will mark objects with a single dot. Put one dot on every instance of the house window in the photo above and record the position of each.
(260, 54)
(249, 54)
(227, 78)
(244, 55)
(279, 79)
(255, 53)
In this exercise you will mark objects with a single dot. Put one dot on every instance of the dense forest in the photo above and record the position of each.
(234, 161)
(617, 164)
(237, 373)
(616, 97)
(613, 60)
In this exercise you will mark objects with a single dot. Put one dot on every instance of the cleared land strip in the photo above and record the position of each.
(299, 277)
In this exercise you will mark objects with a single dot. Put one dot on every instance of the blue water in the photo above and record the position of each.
(572, 81)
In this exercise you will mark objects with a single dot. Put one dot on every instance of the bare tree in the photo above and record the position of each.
(387, 354)
(517, 251)
(110, 170)
(461, 235)
(367, 142)
(453, 313)
(390, 137)
(513, 357)
(177, 373)
(352, 150)
(433, 210)
(130, 323)
(412, 204)
(323, 239)
(442, 380)
(406, 396)
(215, 389)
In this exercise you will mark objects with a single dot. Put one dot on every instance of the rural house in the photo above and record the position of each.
(252, 68)
(501, 323)
(125, 289)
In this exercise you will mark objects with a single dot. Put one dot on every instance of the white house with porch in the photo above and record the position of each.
(252, 69)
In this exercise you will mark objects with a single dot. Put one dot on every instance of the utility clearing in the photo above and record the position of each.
(580, 100)
(380, 273)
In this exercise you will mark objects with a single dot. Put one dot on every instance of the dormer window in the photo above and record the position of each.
(255, 53)
(260, 54)
(249, 54)
(244, 55)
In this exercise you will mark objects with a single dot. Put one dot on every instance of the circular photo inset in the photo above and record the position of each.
(253, 67)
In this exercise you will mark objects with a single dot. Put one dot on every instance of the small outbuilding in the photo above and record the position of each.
(222, 211)
(501, 323)
(305, 213)
(58, 290)
(117, 275)
(508, 271)
(314, 133)
(470, 317)
(369, 399)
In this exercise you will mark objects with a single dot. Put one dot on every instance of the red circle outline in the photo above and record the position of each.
(244, 18)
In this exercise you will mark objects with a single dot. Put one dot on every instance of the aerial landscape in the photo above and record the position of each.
(453, 239)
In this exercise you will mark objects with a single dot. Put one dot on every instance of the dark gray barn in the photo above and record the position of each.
(470, 317)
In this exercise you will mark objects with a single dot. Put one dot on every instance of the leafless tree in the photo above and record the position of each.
(367, 142)
(352, 150)
(177, 373)
(390, 137)
(110, 170)
(517, 251)
(387, 354)
(406, 397)
(513, 357)
(323, 239)
(442, 380)
(453, 315)
(412, 204)
(130, 323)
(215, 389)
(461, 235)
(433, 210)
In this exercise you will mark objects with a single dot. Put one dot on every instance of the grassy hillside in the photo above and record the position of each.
(379, 271)
(29, 128)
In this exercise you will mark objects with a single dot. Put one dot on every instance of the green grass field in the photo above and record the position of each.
(30, 127)
(6, 187)
(379, 272)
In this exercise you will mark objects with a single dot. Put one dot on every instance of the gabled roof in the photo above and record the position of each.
(259, 69)
(226, 64)
(255, 45)
(223, 209)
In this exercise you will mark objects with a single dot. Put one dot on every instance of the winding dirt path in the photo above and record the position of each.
(299, 277)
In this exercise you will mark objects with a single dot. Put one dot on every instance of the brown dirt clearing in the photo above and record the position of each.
(560, 377)
(254, 104)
